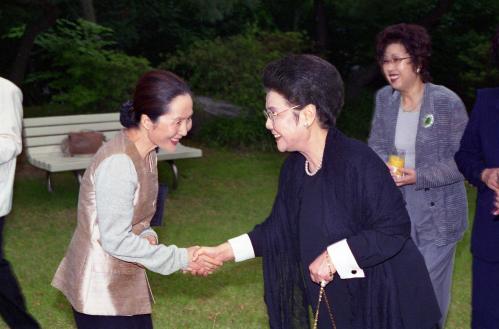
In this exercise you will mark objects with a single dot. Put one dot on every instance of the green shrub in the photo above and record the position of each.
(247, 131)
(89, 75)
(230, 69)
(355, 118)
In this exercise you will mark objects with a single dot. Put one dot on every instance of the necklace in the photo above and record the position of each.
(307, 168)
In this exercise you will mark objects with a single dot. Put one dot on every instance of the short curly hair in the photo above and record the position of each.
(415, 40)
(495, 48)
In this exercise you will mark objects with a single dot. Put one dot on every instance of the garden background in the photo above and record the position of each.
(73, 57)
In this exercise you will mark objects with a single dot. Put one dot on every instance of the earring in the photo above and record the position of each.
(306, 124)
(418, 70)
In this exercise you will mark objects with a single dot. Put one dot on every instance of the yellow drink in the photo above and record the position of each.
(397, 162)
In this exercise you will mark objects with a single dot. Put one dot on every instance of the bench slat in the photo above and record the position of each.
(182, 152)
(50, 158)
(65, 129)
(57, 139)
(70, 119)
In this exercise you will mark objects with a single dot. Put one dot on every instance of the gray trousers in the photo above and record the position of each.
(439, 260)
(440, 263)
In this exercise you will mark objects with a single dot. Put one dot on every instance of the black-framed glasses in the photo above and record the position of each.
(272, 115)
(393, 60)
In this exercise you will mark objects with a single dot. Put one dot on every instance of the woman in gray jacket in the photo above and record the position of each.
(425, 122)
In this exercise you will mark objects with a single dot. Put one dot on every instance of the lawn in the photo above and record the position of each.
(220, 196)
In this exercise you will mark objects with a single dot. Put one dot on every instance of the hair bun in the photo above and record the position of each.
(127, 115)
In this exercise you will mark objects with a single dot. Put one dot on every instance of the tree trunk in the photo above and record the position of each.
(321, 26)
(88, 9)
(35, 27)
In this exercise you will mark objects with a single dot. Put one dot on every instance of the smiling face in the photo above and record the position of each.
(170, 127)
(288, 131)
(398, 68)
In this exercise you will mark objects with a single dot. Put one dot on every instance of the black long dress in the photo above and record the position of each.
(352, 197)
(313, 240)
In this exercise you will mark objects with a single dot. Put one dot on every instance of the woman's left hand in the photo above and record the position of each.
(322, 269)
(408, 178)
(152, 239)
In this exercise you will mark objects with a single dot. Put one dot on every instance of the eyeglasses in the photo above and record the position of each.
(271, 115)
(393, 60)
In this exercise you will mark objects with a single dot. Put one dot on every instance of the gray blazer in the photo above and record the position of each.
(443, 119)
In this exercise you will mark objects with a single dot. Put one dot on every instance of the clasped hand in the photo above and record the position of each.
(205, 260)
(490, 177)
(201, 264)
(322, 269)
(202, 261)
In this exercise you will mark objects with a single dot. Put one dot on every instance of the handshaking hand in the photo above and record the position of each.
(202, 265)
(208, 259)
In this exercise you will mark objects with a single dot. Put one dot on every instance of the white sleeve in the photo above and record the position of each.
(343, 260)
(11, 113)
(242, 248)
(115, 185)
(149, 232)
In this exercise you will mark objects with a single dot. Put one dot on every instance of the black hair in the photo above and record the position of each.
(153, 93)
(307, 79)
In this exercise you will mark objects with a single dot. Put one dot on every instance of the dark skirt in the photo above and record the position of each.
(86, 321)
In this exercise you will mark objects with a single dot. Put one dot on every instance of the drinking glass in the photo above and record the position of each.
(396, 162)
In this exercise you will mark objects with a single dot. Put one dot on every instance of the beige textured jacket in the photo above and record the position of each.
(94, 281)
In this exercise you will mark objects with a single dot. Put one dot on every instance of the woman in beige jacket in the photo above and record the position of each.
(103, 273)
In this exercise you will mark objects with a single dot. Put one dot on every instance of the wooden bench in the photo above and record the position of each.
(43, 137)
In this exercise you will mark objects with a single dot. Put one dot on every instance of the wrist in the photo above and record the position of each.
(226, 252)
(329, 264)
(191, 252)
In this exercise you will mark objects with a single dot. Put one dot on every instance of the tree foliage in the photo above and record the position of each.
(207, 42)
(86, 72)
(155, 28)
(230, 69)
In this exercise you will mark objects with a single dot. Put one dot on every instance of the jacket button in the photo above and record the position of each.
(432, 204)
(354, 272)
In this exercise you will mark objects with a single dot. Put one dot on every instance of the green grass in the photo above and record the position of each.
(220, 196)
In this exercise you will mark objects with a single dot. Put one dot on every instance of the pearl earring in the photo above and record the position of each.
(418, 70)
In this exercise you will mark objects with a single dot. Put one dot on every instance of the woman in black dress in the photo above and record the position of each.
(337, 215)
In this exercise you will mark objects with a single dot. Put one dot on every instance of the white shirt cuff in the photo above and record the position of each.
(242, 248)
(343, 260)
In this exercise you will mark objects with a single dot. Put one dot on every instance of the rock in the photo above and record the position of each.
(208, 109)
(216, 107)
